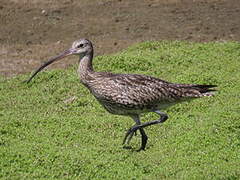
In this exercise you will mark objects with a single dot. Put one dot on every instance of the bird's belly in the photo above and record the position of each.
(121, 109)
(130, 109)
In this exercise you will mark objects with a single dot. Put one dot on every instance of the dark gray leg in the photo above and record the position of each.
(144, 139)
(129, 134)
(163, 118)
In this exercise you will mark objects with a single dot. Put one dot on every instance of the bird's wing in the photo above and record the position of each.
(134, 89)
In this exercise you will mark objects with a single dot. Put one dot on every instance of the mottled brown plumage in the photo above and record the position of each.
(130, 94)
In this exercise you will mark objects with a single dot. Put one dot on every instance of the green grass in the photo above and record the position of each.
(54, 128)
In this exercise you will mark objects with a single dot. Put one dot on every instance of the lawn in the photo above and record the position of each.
(54, 128)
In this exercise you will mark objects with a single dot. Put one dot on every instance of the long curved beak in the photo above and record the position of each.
(50, 61)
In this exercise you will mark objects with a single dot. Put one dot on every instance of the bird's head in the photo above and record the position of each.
(79, 47)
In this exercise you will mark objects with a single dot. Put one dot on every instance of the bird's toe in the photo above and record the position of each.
(131, 131)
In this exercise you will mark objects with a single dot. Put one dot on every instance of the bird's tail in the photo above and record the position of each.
(203, 90)
(196, 90)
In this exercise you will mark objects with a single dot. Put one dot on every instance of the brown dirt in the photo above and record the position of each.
(33, 30)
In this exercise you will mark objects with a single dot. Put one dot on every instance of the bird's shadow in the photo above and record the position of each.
(128, 147)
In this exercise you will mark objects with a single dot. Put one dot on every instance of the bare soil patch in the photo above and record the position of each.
(31, 31)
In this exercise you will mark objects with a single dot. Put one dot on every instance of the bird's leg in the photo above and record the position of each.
(144, 139)
(129, 134)
(163, 118)
(133, 130)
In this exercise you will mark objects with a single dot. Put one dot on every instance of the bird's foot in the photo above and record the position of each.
(141, 149)
(131, 131)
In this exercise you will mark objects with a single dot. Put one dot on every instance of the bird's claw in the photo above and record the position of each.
(130, 134)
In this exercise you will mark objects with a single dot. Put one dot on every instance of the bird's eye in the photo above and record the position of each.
(80, 45)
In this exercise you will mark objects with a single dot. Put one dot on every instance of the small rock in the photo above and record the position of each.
(59, 42)
(44, 12)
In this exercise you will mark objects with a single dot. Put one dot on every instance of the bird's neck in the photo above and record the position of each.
(85, 69)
